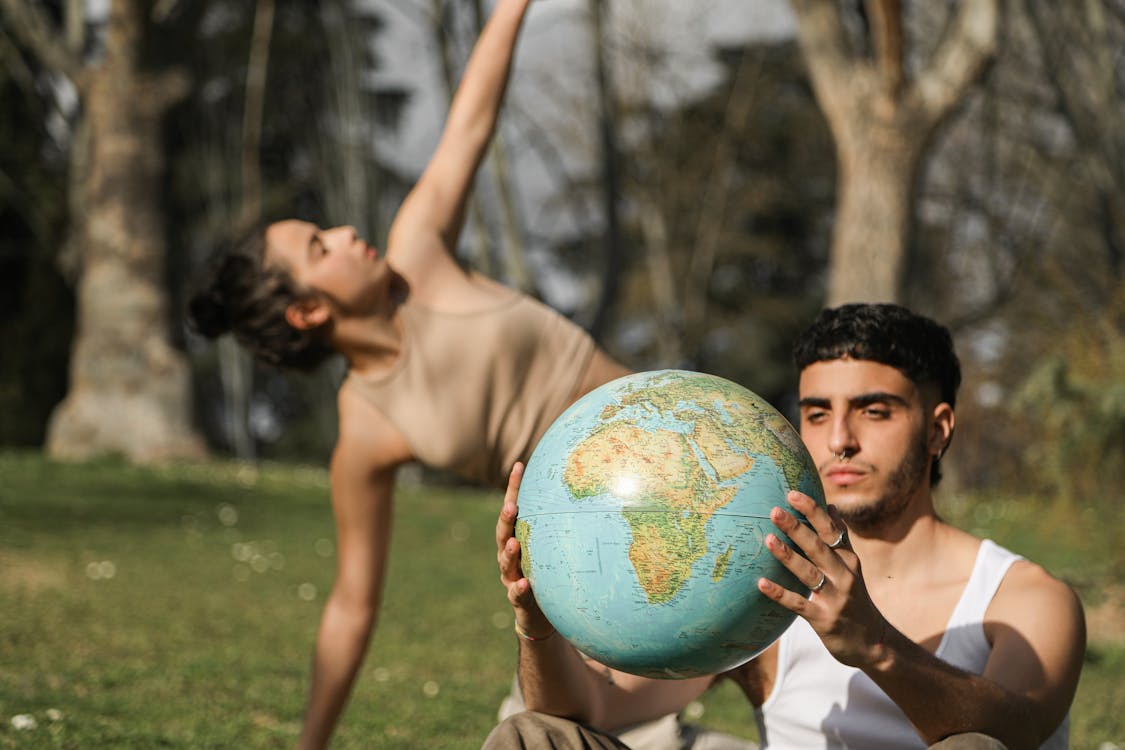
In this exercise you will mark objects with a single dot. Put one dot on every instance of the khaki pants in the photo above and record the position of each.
(543, 732)
(665, 733)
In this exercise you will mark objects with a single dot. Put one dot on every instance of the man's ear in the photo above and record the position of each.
(941, 434)
(307, 314)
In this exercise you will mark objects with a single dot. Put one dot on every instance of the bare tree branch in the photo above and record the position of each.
(886, 35)
(959, 59)
(716, 196)
(74, 20)
(14, 63)
(607, 130)
(833, 65)
(32, 30)
(256, 68)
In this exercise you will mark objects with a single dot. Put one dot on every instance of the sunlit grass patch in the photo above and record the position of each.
(176, 607)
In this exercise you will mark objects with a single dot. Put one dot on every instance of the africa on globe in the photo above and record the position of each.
(643, 513)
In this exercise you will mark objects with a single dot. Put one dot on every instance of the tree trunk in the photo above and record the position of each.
(662, 279)
(129, 389)
(882, 122)
(875, 192)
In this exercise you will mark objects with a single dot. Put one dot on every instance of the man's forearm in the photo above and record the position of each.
(340, 647)
(556, 680)
(941, 700)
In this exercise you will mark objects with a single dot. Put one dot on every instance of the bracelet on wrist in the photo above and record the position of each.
(529, 637)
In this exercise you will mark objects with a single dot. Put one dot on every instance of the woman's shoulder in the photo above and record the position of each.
(438, 280)
(422, 257)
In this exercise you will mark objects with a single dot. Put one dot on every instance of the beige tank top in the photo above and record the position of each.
(473, 393)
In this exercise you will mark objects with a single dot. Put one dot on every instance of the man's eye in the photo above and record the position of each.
(877, 413)
(813, 417)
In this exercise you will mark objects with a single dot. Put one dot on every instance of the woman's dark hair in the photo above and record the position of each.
(240, 295)
(915, 345)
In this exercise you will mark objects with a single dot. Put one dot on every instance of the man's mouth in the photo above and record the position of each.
(842, 476)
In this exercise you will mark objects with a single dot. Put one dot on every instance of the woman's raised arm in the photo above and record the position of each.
(435, 208)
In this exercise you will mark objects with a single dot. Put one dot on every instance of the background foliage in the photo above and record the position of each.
(724, 202)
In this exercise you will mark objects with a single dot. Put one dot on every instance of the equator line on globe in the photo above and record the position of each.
(642, 518)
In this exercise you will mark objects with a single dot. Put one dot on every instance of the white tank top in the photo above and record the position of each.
(817, 702)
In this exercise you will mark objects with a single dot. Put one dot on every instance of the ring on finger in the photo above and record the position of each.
(820, 584)
(839, 540)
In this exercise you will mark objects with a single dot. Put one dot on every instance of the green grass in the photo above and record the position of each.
(149, 608)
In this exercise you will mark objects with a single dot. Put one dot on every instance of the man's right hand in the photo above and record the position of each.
(531, 623)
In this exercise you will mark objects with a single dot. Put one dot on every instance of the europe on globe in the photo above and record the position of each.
(643, 513)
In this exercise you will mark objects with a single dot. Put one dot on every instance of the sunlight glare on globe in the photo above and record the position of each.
(626, 486)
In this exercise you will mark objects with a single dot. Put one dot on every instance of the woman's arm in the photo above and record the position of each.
(362, 489)
(432, 215)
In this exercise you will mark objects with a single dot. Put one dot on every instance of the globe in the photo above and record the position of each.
(642, 519)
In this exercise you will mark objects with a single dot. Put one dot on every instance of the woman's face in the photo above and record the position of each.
(335, 262)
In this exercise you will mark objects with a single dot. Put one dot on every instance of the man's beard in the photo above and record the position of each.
(900, 488)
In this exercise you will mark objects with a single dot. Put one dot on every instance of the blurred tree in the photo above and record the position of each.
(729, 197)
(883, 119)
(1081, 45)
(1020, 238)
(719, 173)
(606, 115)
(36, 304)
(723, 192)
(128, 386)
(1074, 386)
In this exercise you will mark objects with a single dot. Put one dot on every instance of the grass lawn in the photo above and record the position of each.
(147, 608)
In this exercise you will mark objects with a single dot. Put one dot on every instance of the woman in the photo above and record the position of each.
(445, 367)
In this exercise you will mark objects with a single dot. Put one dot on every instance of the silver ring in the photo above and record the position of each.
(839, 540)
(820, 584)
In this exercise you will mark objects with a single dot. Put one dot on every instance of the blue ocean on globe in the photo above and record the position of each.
(643, 513)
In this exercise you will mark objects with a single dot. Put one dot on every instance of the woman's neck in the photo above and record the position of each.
(373, 343)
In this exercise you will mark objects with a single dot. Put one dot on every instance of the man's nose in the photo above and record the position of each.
(841, 439)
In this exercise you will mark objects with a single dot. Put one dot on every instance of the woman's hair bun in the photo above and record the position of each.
(207, 314)
(210, 309)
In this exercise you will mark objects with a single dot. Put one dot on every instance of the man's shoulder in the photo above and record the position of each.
(1025, 587)
(1030, 591)
(1031, 579)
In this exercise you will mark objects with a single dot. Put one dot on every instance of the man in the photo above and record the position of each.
(939, 637)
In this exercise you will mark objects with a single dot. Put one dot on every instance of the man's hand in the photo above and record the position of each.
(839, 609)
